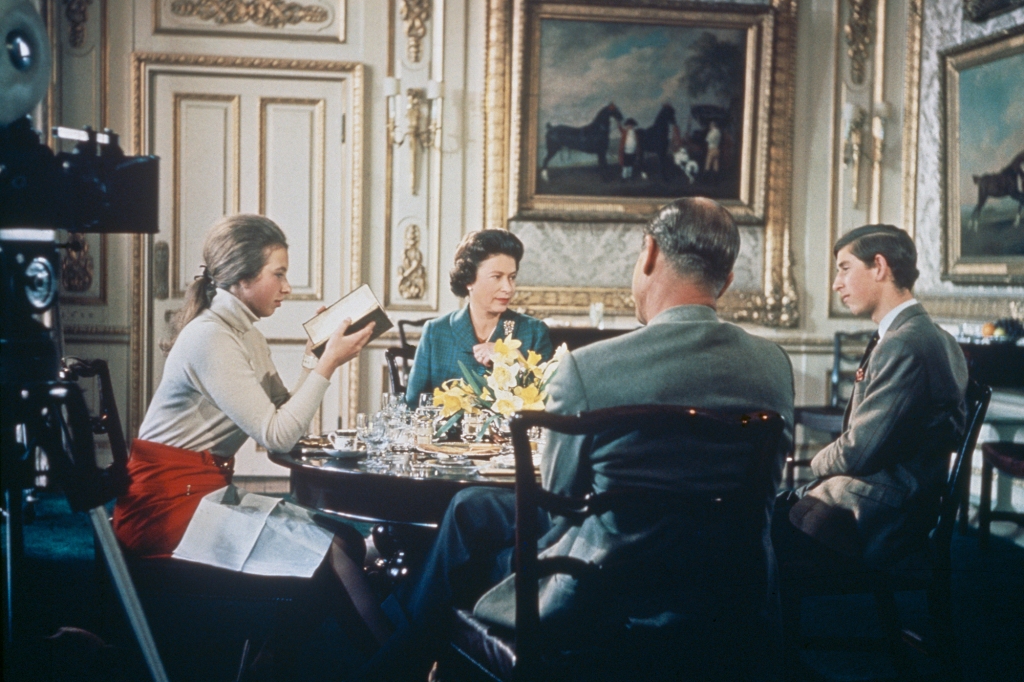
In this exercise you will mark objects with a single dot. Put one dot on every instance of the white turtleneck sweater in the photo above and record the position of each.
(220, 387)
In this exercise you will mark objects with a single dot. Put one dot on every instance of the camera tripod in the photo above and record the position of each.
(44, 408)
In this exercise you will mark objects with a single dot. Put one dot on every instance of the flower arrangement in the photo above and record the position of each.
(514, 383)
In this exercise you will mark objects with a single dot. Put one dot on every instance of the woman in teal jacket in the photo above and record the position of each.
(486, 264)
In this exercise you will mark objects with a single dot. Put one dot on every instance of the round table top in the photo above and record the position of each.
(338, 486)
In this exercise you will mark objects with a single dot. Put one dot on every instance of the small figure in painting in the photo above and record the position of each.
(628, 144)
(686, 164)
(714, 141)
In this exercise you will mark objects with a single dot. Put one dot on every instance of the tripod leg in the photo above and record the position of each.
(126, 590)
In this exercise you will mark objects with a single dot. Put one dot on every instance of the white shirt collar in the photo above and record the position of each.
(886, 322)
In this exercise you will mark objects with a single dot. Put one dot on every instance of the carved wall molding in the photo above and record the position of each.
(859, 35)
(415, 14)
(77, 13)
(412, 275)
(76, 267)
(265, 13)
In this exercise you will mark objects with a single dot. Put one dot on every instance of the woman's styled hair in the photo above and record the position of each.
(236, 249)
(891, 243)
(475, 248)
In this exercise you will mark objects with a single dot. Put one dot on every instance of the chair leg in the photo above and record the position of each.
(985, 504)
(941, 614)
(889, 614)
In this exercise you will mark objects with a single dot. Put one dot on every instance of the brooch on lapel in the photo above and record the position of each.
(509, 326)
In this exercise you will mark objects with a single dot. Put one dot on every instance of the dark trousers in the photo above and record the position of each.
(472, 553)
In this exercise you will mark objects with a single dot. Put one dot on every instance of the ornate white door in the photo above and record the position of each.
(252, 136)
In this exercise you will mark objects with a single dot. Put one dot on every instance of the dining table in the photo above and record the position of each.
(404, 503)
(340, 485)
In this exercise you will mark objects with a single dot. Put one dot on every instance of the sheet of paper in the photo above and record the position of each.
(224, 534)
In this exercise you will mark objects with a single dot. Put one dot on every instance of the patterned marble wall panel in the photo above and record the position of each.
(944, 26)
(307, 19)
(292, 148)
(603, 255)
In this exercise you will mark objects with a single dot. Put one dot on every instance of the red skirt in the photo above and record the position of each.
(166, 485)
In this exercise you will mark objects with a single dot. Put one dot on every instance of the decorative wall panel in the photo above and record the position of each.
(295, 20)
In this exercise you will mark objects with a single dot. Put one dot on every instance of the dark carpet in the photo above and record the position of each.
(64, 586)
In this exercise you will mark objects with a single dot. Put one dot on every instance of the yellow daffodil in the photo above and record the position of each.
(451, 396)
(532, 397)
(506, 403)
(533, 363)
(506, 350)
(502, 377)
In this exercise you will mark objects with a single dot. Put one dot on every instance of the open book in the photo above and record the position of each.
(361, 306)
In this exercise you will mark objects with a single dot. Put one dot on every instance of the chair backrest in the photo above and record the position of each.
(976, 399)
(847, 351)
(403, 324)
(399, 365)
(753, 436)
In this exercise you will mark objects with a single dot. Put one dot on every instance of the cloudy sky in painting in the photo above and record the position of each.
(991, 120)
(584, 65)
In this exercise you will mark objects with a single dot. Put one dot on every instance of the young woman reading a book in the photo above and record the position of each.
(486, 265)
(219, 388)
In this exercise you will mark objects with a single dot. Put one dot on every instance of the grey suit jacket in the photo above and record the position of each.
(878, 485)
(685, 356)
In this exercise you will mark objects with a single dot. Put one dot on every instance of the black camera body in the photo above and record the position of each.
(95, 188)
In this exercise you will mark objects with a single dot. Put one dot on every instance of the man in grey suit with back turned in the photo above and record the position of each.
(877, 487)
(683, 355)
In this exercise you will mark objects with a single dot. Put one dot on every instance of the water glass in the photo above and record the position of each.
(362, 426)
(377, 441)
(426, 400)
(471, 425)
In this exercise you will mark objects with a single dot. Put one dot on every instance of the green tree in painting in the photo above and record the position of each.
(715, 68)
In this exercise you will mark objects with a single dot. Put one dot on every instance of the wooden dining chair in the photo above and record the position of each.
(930, 572)
(405, 325)
(399, 362)
(847, 349)
(716, 527)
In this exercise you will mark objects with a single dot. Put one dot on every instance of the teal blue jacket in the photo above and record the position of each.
(449, 339)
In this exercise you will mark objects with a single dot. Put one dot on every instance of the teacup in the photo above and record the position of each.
(341, 441)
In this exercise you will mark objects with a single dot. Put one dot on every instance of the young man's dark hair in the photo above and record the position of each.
(889, 241)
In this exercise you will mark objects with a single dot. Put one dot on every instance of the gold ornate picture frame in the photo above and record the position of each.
(983, 150)
(762, 136)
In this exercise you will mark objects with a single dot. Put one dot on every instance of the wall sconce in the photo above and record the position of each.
(422, 120)
(854, 120)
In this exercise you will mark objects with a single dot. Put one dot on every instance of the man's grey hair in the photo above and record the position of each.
(700, 239)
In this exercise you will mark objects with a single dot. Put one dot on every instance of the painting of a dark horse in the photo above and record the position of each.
(655, 140)
(589, 139)
(1009, 182)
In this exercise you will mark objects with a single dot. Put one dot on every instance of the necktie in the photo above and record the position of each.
(861, 369)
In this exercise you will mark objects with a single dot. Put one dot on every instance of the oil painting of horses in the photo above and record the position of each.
(628, 109)
(992, 158)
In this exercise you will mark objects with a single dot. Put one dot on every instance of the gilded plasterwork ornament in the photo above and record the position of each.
(415, 14)
(265, 13)
(858, 32)
(412, 275)
(76, 267)
(77, 14)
